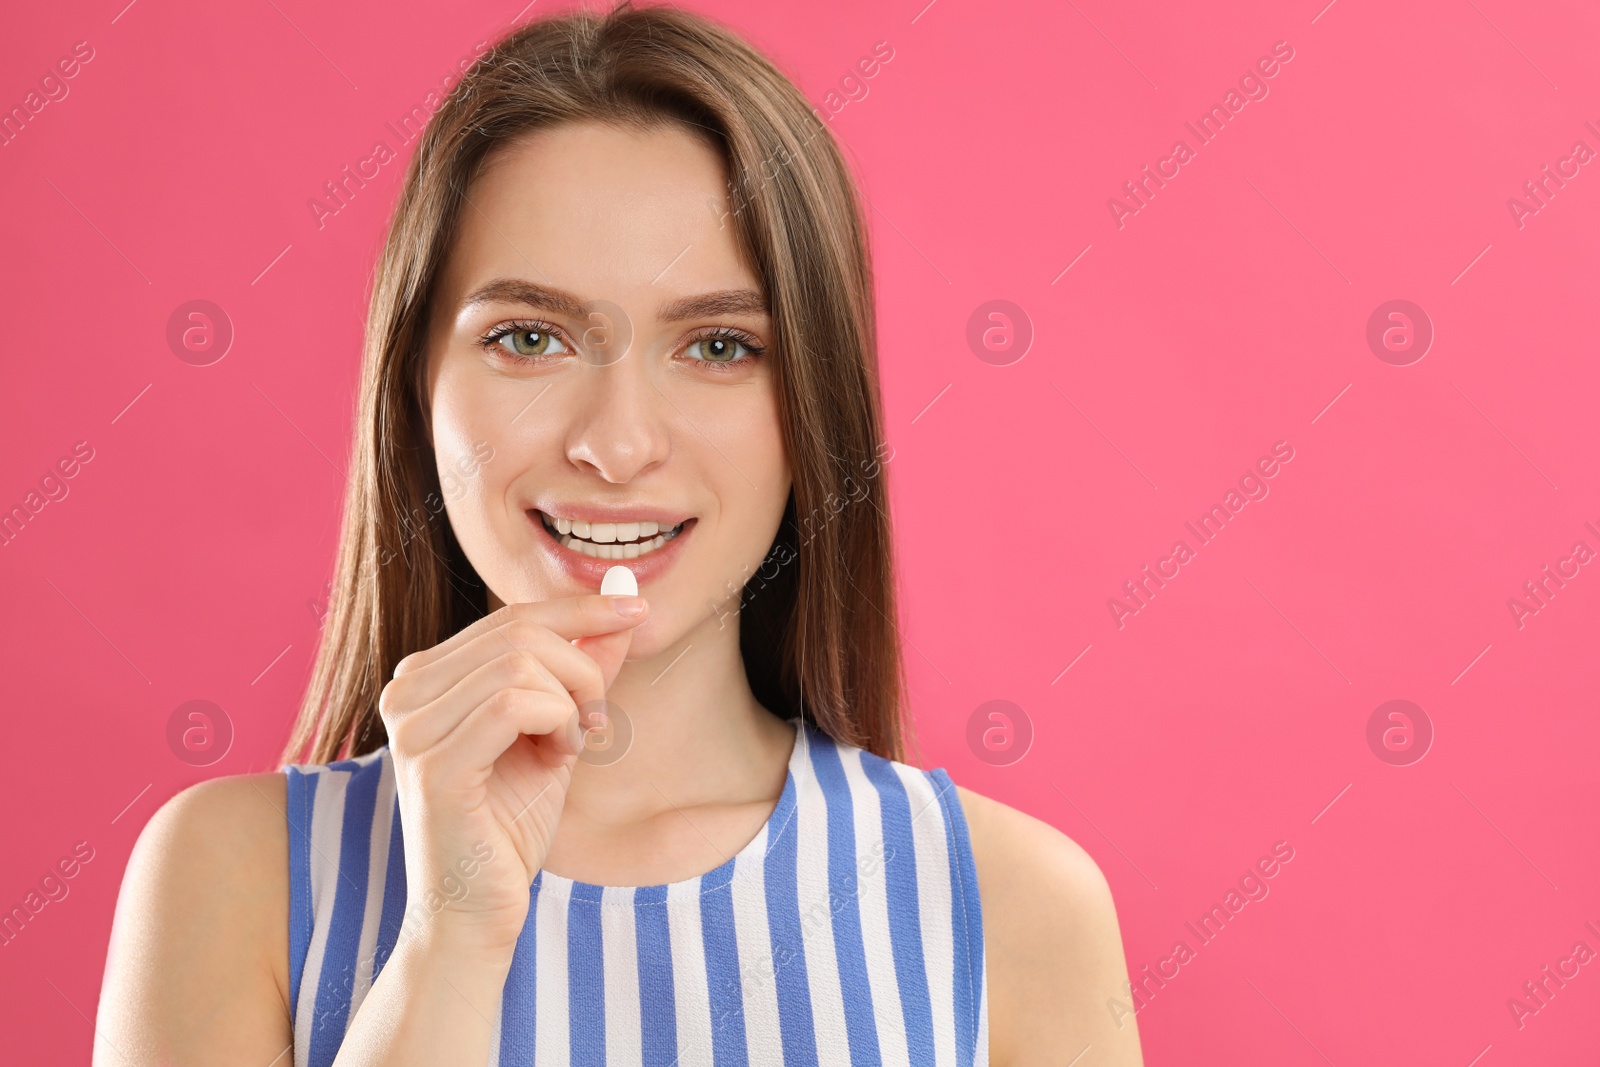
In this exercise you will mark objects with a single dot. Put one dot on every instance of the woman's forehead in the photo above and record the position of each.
(601, 212)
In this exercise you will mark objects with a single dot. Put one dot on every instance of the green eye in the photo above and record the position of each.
(723, 348)
(719, 349)
(530, 344)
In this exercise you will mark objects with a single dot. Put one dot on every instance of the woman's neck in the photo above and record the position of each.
(699, 739)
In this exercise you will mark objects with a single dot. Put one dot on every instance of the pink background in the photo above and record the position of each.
(1230, 713)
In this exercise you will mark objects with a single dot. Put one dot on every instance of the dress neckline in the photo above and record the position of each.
(717, 878)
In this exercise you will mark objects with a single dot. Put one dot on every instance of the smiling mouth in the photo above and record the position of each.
(610, 540)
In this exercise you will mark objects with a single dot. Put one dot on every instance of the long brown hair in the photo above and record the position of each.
(817, 630)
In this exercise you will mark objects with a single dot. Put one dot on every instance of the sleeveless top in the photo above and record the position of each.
(847, 932)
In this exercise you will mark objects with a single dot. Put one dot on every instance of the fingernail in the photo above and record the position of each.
(628, 605)
(574, 735)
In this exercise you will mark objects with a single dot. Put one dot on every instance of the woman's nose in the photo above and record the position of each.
(620, 424)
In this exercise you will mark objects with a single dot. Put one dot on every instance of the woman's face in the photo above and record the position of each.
(597, 387)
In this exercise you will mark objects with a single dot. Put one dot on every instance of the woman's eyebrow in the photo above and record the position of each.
(516, 291)
(725, 302)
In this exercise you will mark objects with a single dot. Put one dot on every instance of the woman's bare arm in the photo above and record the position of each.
(197, 971)
(1051, 944)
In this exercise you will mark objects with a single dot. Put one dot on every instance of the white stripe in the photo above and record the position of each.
(816, 919)
(619, 941)
(377, 874)
(763, 1028)
(494, 1033)
(935, 907)
(691, 995)
(872, 892)
(325, 830)
(937, 917)
(552, 1034)
(981, 1053)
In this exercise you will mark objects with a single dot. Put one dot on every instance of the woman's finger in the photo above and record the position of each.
(516, 668)
(607, 651)
(571, 617)
(545, 652)
(494, 726)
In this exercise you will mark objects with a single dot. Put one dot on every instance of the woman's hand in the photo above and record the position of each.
(483, 729)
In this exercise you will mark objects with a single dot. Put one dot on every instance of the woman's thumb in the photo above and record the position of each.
(608, 650)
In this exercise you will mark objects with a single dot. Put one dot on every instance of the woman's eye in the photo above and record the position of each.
(531, 343)
(718, 349)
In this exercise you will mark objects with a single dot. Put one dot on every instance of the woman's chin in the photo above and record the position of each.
(656, 637)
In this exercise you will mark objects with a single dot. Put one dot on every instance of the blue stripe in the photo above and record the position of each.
(518, 1004)
(905, 927)
(658, 986)
(337, 981)
(843, 885)
(788, 949)
(300, 795)
(966, 923)
(394, 896)
(658, 1017)
(586, 979)
(728, 1042)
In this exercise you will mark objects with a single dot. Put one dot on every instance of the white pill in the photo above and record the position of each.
(619, 581)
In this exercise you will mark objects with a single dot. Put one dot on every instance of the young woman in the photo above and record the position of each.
(623, 317)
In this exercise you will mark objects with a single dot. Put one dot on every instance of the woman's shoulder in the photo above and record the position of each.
(1026, 856)
(1021, 855)
(1052, 943)
(216, 853)
(228, 797)
(228, 830)
(199, 946)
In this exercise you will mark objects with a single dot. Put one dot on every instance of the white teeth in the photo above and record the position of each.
(632, 550)
(611, 540)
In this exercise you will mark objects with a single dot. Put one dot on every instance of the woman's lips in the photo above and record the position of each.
(590, 570)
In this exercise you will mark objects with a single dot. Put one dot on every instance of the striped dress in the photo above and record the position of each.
(847, 932)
